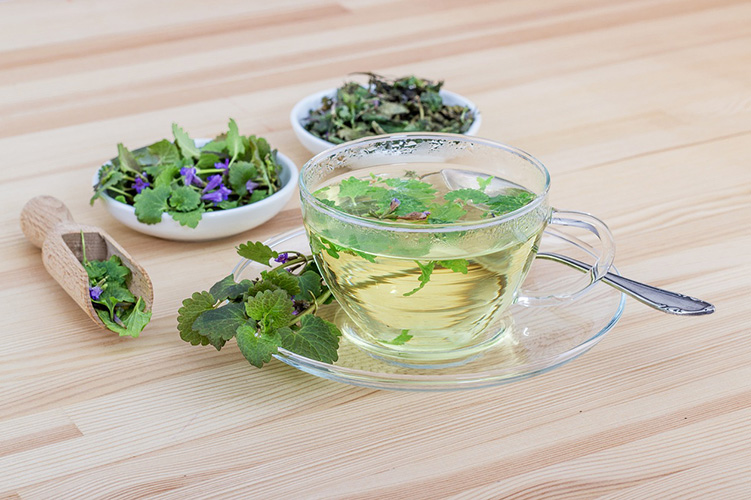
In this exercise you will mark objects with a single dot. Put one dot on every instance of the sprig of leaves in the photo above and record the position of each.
(185, 181)
(276, 309)
(119, 310)
(408, 104)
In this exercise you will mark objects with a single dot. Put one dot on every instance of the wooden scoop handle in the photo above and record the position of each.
(40, 215)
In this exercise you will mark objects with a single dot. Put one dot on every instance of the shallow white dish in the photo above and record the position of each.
(315, 145)
(213, 225)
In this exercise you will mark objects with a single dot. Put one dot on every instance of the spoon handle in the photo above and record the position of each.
(662, 300)
(40, 215)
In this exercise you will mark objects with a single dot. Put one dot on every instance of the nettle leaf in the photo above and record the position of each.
(239, 174)
(257, 252)
(315, 339)
(127, 160)
(261, 286)
(235, 145)
(193, 307)
(189, 219)
(257, 348)
(184, 199)
(466, 195)
(426, 270)
(283, 280)
(166, 152)
(272, 309)
(228, 288)
(310, 285)
(185, 143)
(151, 203)
(412, 188)
(508, 202)
(220, 324)
(456, 265)
(353, 188)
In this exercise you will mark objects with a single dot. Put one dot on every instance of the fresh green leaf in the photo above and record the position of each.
(133, 324)
(456, 265)
(283, 280)
(446, 213)
(166, 152)
(220, 324)
(127, 160)
(193, 307)
(228, 288)
(484, 183)
(185, 143)
(151, 203)
(426, 270)
(234, 142)
(467, 195)
(206, 160)
(166, 176)
(353, 188)
(113, 269)
(184, 199)
(272, 309)
(509, 201)
(316, 339)
(257, 252)
(239, 174)
(190, 219)
(310, 285)
(256, 347)
(108, 177)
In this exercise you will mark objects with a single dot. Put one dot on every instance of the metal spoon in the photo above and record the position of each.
(662, 300)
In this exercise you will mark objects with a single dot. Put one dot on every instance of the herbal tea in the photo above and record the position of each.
(418, 292)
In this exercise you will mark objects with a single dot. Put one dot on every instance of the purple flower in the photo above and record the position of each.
(213, 182)
(220, 194)
(140, 184)
(222, 165)
(95, 292)
(190, 176)
(394, 204)
(250, 186)
(282, 258)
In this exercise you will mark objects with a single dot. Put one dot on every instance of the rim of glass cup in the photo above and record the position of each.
(411, 227)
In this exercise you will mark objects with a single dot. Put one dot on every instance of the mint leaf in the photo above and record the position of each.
(257, 348)
(193, 307)
(228, 288)
(466, 195)
(456, 265)
(185, 143)
(239, 174)
(310, 285)
(257, 252)
(151, 203)
(261, 286)
(283, 280)
(234, 142)
(127, 160)
(184, 199)
(190, 219)
(315, 339)
(220, 324)
(426, 270)
(272, 309)
(166, 152)
(400, 339)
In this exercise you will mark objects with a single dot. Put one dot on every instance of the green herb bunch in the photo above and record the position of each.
(185, 181)
(119, 310)
(407, 104)
(277, 309)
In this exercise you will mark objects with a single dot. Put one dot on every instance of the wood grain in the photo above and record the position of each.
(640, 109)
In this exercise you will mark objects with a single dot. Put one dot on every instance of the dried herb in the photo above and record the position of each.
(408, 104)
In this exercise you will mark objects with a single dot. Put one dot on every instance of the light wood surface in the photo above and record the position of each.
(641, 109)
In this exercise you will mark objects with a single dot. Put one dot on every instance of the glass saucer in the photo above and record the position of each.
(539, 339)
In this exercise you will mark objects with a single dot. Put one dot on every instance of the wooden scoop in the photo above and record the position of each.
(48, 224)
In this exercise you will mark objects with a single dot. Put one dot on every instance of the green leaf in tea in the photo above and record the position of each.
(426, 270)
(400, 339)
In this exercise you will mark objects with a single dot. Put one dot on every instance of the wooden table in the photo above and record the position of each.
(641, 110)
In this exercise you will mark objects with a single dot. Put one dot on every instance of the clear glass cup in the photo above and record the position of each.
(434, 293)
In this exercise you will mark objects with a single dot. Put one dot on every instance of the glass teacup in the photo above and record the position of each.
(431, 285)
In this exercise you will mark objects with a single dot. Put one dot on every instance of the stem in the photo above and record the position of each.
(313, 308)
(118, 190)
(209, 171)
(83, 249)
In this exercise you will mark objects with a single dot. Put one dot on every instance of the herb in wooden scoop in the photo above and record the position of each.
(119, 310)
(186, 181)
(277, 309)
(407, 104)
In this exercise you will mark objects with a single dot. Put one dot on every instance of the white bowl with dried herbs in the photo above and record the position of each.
(383, 106)
(194, 190)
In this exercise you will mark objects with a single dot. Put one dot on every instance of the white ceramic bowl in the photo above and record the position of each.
(213, 225)
(315, 145)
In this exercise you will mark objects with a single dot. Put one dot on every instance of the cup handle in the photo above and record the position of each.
(604, 255)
